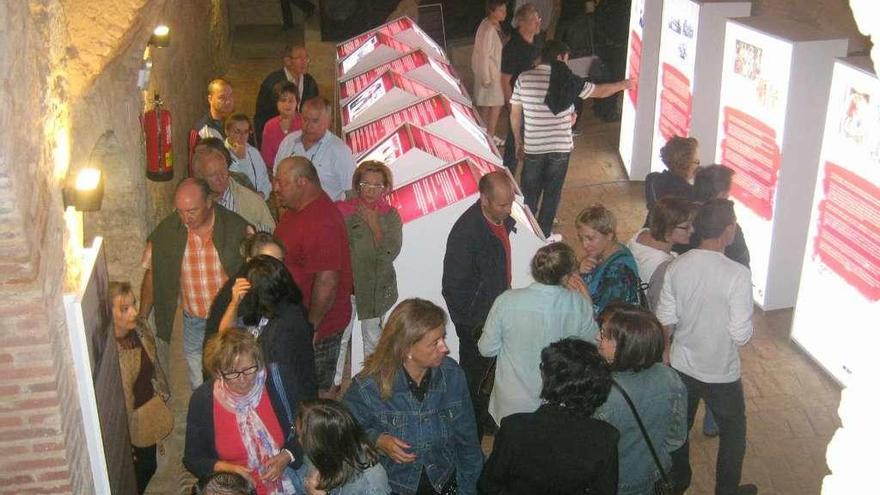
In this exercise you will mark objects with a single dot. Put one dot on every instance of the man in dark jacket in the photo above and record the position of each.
(476, 270)
(296, 70)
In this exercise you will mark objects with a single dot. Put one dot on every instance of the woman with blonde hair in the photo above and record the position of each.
(608, 267)
(412, 401)
(143, 383)
(375, 234)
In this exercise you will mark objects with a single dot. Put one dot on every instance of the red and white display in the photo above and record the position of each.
(376, 49)
(402, 29)
(637, 117)
(776, 74)
(435, 191)
(688, 78)
(424, 113)
(394, 88)
(839, 296)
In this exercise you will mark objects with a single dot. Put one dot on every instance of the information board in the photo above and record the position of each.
(378, 43)
(637, 113)
(839, 298)
(381, 86)
(689, 73)
(401, 65)
(775, 75)
(435, 191)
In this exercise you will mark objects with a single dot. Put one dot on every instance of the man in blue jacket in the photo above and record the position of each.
(476, 270)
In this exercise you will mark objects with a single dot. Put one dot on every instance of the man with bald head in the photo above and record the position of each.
(212, 165)
(313, 232)
(476, 270)
(295, 68)
(188, 257)
(221, 104)
(330, 155)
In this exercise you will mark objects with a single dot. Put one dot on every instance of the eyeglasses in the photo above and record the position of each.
(239, 132)
(234, 375)
(684, 227)
(367, 185)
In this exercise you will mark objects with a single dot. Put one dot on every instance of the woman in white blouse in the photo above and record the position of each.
(670, 224)
(486, 64)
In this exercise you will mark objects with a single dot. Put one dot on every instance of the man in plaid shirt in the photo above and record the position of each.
(189, 257)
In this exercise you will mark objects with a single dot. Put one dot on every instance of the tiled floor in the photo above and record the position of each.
(791, 405)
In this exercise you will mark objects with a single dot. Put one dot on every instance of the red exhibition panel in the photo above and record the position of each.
(749, 148)
(380, 39)
(391, 29)
(435, 191)
(676, 103)
(401, 65)
(635, 63)
(422, 113)
(848, 236)
(410, 85)
(447, 151)
(377, 89)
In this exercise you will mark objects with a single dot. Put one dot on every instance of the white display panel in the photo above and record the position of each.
(775, 75)
(839, 299)
(689, 72)
(637, 116)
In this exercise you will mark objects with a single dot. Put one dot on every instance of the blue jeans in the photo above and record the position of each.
(509, 157)
(193, 340)
(727, 404)
(542, 178)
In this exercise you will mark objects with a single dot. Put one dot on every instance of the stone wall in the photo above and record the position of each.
(833, 16)
(68, 97)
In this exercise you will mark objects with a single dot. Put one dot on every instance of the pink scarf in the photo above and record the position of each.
(349, 207)
(257, 441)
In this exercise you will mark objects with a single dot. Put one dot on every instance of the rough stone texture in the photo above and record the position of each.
(68, 97)
(833, 16)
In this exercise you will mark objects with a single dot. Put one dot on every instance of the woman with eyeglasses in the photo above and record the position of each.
(671, 221)
(607, 268)
(631, 342)
(245, 158)
(239, 421)
(375, 233)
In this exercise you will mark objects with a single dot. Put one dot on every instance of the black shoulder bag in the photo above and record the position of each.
(663, 486)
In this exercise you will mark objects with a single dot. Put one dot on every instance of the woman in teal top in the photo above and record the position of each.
(608, 268)
(631, 341)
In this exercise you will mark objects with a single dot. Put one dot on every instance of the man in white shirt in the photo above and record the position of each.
(706, 309)
(329, 154)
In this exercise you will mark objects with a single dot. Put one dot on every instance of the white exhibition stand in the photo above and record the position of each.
(774, 89)
(838, 304)
(88, 315)
(637, 116)
(689, 74)
(437, 149)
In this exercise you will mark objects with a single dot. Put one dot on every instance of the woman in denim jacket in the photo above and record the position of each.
(631, 341)
(413, 403)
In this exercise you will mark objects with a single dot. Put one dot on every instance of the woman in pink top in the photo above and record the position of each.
(278, 127)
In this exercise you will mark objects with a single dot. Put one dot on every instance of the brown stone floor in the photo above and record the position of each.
(791, 404)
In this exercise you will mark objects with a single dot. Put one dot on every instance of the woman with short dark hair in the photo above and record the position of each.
(559, 448)
(345, 461)
(681, 155)
(523, 321)
(288, 120)
(268, 304)
(631, 342)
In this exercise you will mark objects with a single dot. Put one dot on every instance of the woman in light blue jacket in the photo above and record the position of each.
(631, 341)
(524, 321)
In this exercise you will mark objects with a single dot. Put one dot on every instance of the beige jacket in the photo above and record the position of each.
(251, 207)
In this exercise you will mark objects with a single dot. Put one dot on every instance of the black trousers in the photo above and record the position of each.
(287, 15)
(144, 465)
(475, 367)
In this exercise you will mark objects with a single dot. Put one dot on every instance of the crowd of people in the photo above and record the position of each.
(589, 378)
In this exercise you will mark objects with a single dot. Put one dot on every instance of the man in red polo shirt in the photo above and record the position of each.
(313, 231)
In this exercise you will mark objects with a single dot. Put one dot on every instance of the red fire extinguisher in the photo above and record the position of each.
(157, 131)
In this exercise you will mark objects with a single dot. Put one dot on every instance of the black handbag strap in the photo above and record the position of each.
(632, 408)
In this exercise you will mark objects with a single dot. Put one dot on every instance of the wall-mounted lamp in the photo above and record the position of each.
(161, 36)
(87, 192)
